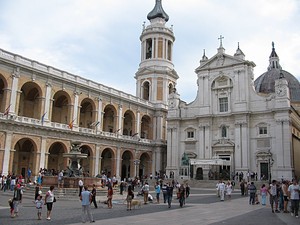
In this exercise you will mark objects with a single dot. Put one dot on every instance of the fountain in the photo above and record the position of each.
(74, 169)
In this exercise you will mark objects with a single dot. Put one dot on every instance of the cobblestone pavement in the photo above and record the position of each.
(202, 207)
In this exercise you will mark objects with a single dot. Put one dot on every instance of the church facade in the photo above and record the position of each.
(235, 124)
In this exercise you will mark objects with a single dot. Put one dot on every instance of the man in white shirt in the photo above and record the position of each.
(145, 189)
(80, 185)
(293, 192)
(221, 187)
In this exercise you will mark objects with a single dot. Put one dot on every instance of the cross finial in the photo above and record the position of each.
(220, 38)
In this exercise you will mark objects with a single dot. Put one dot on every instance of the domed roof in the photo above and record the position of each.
(265, 83)
(158, 12)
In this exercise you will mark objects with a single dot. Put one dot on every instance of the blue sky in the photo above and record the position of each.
(99, 39)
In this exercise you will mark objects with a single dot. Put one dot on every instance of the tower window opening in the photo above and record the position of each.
(169, 50)
(146, 90)
(148, 48)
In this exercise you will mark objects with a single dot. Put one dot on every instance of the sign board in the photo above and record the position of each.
(219, 162)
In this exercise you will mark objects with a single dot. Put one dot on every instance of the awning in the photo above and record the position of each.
(219, 162)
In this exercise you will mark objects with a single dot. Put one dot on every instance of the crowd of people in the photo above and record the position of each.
(283, 195)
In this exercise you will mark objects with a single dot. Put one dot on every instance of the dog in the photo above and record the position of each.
(136, 203)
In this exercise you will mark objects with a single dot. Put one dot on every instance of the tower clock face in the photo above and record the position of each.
(281, 91)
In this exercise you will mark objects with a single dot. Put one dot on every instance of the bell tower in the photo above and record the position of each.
(156, 77)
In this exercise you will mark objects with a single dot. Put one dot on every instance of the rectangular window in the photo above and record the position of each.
(263, 130)
(190, 134)
(223, 104)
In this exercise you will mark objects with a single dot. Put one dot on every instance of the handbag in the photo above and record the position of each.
(54, 199)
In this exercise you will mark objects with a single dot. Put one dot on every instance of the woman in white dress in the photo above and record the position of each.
(228, 189)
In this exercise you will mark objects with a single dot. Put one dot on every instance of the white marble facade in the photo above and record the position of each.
(229, 127)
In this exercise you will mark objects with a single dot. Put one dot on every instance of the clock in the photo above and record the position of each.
(281, 91)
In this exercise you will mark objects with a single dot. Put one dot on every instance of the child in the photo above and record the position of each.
(39, 205)
(12, 209)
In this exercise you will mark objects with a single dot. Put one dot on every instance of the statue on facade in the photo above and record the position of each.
(185, 160)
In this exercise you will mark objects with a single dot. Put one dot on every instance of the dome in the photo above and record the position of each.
(265, 83)
(158, 12)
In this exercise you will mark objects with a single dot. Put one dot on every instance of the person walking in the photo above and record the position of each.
(60, 179)
(145, 189)
(263, 193)
(169, 194)
(221, 188)
(293, 192)
(182, 195)
(272, 190)
(49, 199)
(252, 193)
(17, 199)
(39, 206)
(130, 196)
(157, 192)
(94, 193)
(165, 193)
(86, 198)
(80, 186)
(284, 188)
(228, 189)
(187, 190)
(109, 195)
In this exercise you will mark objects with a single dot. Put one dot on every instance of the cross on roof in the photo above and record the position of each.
(220, 38)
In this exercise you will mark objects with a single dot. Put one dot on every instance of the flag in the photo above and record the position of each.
(117, 130)
(96, 124)
(134, 134)
(71, 124)
(43, 117)
(7, 110)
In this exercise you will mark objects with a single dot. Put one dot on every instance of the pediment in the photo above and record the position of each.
(223, 143)
(220, 60)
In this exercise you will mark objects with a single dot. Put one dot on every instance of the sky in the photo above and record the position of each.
(99, 39)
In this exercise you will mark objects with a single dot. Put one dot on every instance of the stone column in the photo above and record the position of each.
(47, 108)
(7, 148)
(43, 152)
(14, 90)
(75, 110)
(118, 172)
(120, 120)
(138, 122)
(100, 115)
(97, 153)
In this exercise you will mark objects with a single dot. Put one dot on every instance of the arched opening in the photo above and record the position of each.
(146, 90)
(149, 48)
(86, 164)
(30, 101)
(109, 121)
(126, 165)
(106, 162)
(24, 157)
(61, 108)
(87, 114)
(144, 166)
(128, 124)
(146, 127)
(56, 161)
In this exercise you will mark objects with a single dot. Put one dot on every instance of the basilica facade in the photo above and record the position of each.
(236, 124)
(43, 110)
